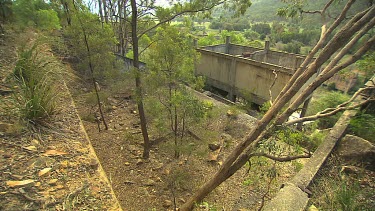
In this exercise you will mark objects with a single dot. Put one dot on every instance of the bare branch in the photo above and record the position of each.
(280, 159)
(324, 114)
(273, 83)
(178, 14)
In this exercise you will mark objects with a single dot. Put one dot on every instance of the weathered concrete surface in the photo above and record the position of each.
(297, 200)
(289, 198)
(305, 176)
(224, 68)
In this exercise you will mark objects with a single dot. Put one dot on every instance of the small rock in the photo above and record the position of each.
(214, 146)
(64, 164)
(35, 142)
(128, 182)
(94, 164)
(226, 137)
(41, 162)
(59, 187)
(349, 169)
(31, 148)
(167, 203)
(312, 208)
(7, 155)
(356, 149)
(52, 181)
(139, 161)
(181, 200)
(127, 164)
(44, 171)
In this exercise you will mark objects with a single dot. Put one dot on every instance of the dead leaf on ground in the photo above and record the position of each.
(53, 152)
(19, 183)
(30, 148)
(44, 171)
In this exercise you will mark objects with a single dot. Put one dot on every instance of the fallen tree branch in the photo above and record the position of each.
(280, 159)
(333, 111)
(323, 114)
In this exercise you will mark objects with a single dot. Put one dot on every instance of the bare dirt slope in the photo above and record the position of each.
(156, 183)
(50, 166)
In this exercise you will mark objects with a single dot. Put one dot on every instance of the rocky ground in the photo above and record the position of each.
(157, 183)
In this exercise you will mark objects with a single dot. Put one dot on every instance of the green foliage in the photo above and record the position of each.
(261, 28)
(346, 197)
(235, 37)
(246, 101)
(316, 138)
(210, 39)
(172, 56)
(100, 38)
(367, 64)
(171, 64)
(265, 107)
(6, 11)
(35, 74)
(363, 125)
(293, 47)
(251, 35)
(327, 100)
(36, 13)
(47, 20)
(255, 44)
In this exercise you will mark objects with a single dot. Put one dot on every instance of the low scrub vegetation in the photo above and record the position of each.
(35, 75)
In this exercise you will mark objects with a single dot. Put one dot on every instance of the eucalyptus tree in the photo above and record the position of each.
(146, 17)
(171, 67)
(339, 35)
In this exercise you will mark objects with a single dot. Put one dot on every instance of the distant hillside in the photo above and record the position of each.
(265, 11)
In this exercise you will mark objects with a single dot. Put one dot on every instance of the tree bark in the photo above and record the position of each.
(101, 11)
(138, 82)
(92, 70)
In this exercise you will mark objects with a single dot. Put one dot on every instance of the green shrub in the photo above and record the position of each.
(47, 20)
(327, 100)
(34, 75)
(363, 125)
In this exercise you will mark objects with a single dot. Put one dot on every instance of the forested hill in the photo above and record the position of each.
(266, 11)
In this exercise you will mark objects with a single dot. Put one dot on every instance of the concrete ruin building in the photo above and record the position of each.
(238, 69)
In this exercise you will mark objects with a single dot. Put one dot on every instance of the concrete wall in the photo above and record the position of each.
(226, 69)
(235, 75)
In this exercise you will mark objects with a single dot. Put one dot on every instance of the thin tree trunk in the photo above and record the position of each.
(138, 82)
(101, 11)
(105, 8)
(92, 70)
(303, 113)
